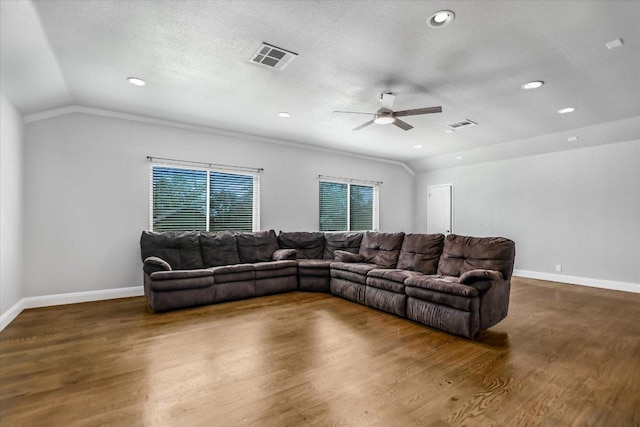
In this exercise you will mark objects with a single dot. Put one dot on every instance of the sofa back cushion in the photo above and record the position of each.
(421, 252)
(382, 249)
(258, 246)
(219, 248)
(181, 249)
(307, 245)
(341, 240)
(463, 253)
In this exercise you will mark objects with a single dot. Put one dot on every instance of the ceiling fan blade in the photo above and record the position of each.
(418, 111)
(353, 112)
(387, 100)
(364, 125)
(402, 125)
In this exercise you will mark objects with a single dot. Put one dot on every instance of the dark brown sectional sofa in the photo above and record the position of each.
(457, 284)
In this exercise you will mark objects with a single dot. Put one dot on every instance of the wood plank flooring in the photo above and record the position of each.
(565, 356)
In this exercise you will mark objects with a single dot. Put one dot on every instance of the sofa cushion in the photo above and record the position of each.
(315, 263)
(381, 249)
(421, 252)
(258, 246)
(219, 248)
(284, 254)
(344, 256)
(393, 274)
(463, 253)
(276, 269)
(347, 241)
(308, 245)
(164, 281)
(181, 249)
(444, 284)
(358, 268)
(234, 273)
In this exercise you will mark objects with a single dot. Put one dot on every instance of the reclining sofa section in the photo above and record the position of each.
(457, 284)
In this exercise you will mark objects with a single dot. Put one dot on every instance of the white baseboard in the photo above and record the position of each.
(70, 298)
(583, 281)
(8, 316)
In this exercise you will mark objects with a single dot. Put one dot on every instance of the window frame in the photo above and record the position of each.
(255, 220)
(375, 220)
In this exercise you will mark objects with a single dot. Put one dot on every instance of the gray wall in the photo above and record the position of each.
(11, 205)
(578, 208)
(87, 193)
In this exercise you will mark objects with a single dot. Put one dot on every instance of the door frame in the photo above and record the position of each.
(450, 185)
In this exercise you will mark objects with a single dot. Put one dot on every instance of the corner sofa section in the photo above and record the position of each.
(457, 284)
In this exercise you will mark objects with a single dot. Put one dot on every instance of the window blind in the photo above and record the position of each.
(203, 199)
(348, 207)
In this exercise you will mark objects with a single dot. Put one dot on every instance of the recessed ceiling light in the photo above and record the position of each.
(572, 138)
(136, 81)
(284, 114)
(614, 44)
(566, 110)
(441, 18)
(459, 157)
(449, 131)
(417, 146)
(532, 85)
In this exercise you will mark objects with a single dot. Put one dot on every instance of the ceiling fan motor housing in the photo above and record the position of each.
(384, 117)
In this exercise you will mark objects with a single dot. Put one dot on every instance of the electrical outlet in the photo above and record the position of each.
(558, 267)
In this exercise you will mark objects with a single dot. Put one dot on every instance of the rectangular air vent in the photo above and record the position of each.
(462, 124)
(273, 57)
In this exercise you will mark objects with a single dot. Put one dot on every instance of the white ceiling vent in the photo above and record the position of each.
(462, 124)
(273, 57)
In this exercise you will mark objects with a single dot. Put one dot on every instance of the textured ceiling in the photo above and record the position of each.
(195, 55)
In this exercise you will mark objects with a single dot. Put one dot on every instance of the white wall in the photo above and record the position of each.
(11, 205)
(87, 193)
(578, 208)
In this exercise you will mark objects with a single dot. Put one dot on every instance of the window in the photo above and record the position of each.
(203, 199)
(348, 207)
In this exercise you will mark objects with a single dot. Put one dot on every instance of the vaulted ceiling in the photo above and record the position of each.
(195, 58)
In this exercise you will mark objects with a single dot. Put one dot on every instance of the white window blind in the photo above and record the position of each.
(345, 206)
(187, 198)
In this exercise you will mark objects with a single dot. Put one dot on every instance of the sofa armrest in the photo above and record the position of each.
(153, 264)
(345, 256)
(284, 254)
(472, 276)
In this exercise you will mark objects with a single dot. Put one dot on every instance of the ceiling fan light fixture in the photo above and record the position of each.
(566, 110)
(384, 120)
(441, 18)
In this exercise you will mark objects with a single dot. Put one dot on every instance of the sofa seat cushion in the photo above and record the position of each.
(444, 284)
(165, 281)
(234, 273)
(390, 279)
(219, 248)
(309, 245)
(314, 267)
(358, 268)
(454, 301)
(266, 270)
(421, 252)
(356, 273)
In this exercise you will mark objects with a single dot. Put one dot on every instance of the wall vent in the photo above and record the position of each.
(273, 57)
(461, 124)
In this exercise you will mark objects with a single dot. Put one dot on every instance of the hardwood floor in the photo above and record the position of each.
(565, 356)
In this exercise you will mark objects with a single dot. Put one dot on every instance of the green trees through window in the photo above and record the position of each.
(347, 207)
(181, 201)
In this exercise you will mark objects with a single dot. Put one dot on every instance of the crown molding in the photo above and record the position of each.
(47, 114)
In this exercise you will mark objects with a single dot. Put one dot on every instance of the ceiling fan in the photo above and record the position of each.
(385, 115)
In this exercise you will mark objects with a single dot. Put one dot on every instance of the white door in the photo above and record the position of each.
(439, 218)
